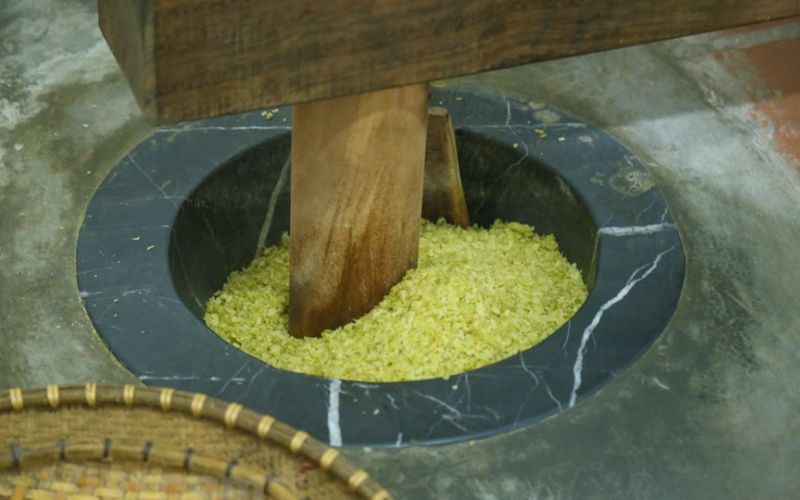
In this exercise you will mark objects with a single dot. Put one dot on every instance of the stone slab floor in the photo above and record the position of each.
(712, 411)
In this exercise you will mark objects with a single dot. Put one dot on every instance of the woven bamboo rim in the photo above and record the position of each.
(105, 449)
(232, 415)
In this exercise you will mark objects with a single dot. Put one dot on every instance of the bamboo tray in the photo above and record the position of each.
(93, 441)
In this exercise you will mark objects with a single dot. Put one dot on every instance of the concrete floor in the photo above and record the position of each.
(710, 412)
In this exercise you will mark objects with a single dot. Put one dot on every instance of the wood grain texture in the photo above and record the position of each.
(357, 172)
(215, 56)
(442, 194)
(127, 26)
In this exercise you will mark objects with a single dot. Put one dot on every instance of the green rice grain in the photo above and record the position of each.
(477, 296)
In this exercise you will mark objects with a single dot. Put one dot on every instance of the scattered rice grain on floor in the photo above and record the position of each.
(477, 296)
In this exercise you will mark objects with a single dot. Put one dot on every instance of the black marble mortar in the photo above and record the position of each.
(184, 209)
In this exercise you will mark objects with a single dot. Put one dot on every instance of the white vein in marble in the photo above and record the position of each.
(552, 396)
(273, 202)
(165, 130)
(453, 414)
(170, 199)
(635, 230)
(234, 378)
(334, 427)
(633, 280)
(527, 127)
(186, 377)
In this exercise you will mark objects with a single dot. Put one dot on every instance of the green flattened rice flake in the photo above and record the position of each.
(477, 296)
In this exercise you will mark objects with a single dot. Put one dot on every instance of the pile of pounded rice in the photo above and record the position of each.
(477, 296)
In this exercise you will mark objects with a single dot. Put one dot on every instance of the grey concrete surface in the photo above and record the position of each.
(66, 116)
(711, 411)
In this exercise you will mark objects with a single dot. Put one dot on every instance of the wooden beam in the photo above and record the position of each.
(357, 169)
(214, 56)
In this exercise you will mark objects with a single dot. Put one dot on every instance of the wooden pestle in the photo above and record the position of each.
(356, 201)
(443, 195)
